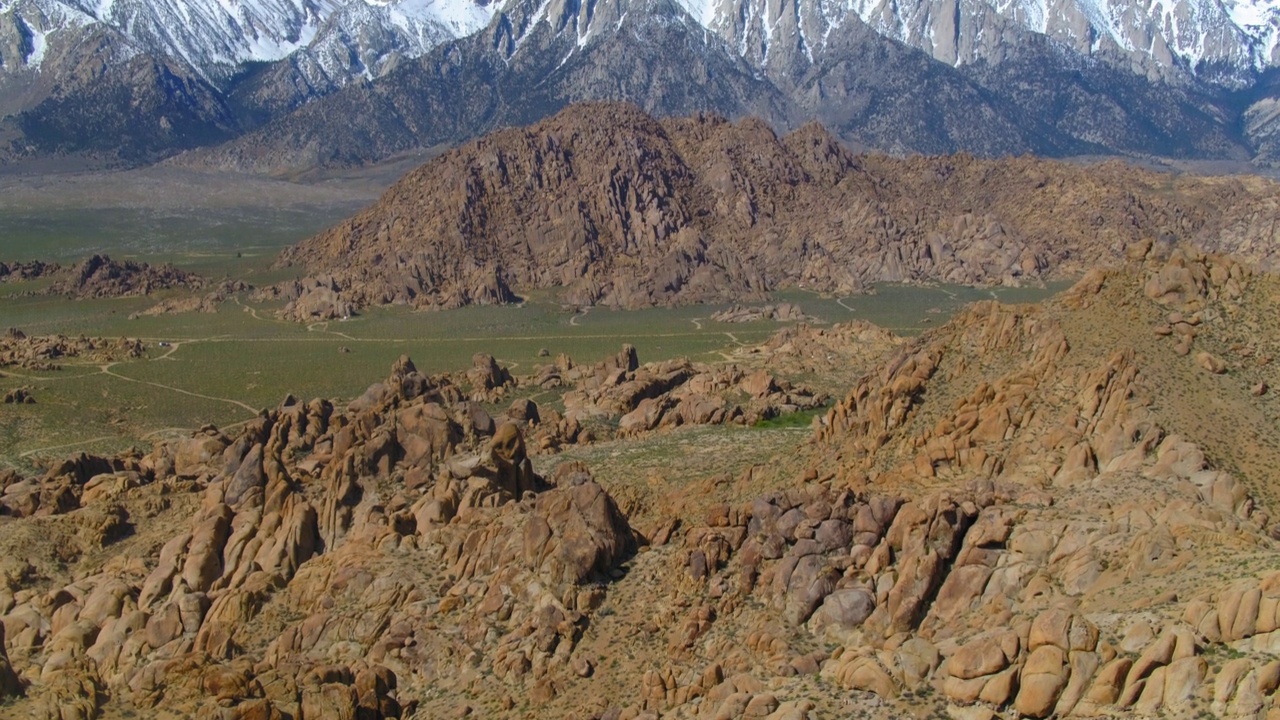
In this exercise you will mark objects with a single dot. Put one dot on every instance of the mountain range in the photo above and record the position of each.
(275, 85)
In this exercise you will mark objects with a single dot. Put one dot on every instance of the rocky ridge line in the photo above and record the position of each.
(613, 207)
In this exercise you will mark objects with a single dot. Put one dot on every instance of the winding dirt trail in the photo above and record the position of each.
(106, 370)
(77, 443)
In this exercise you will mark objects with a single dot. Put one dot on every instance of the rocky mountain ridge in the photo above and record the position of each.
(615, 207)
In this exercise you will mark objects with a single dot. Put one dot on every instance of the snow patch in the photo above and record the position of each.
(462, 17)
(1251, 13)
(267, 48)
(704, 11)
(39, 44)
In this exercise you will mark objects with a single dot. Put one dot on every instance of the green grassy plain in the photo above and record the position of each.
(222, 367)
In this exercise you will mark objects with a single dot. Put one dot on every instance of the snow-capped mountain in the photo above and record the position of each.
(1169, 77)
(1226, 40)
(218, 38)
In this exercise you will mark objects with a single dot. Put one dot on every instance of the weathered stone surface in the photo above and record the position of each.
(1043, 678)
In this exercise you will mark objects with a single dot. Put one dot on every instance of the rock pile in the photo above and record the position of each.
(669, 394)
(998, 526)
(207, 303)
(308, 300)
(19, 396)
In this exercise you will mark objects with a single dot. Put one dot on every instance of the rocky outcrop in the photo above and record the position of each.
(207, 303)
(19, 396)
(309, 300)
(18, 271)
(616, 208)
(32, 352)
(782, 312)
(293, 513)
(101, 277)
(1025, 512)
(666, 395)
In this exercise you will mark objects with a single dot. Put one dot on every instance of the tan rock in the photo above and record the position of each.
(1149, 693)
(1083, 666)
(792, 710)
(1211, 363)
(1182, 681)
(1227, 680)
(984, 656)
(1268, 677)
(864, 673)
(916, 659)
(999, 688)
(1137, 636)
(760, 706)
(1043, 678)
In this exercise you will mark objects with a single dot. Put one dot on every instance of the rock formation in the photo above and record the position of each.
(12, 272)
(35, 352)
(207, 303)
(617, 208)
(782, 312)
(19, 396)
(1031, 511)
(100, 277)
(291, 520)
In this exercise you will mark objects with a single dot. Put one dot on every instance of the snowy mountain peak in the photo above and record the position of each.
(218, 37)
(348, 38)
(1234, 38)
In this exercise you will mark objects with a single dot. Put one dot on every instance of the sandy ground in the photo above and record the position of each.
(165, 187)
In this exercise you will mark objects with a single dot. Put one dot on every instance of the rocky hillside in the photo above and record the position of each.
(1063, 510)
(618, 208)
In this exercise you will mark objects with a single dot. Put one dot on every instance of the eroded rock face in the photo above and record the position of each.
(1003, 591)
(309, 300)
(782, 312)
